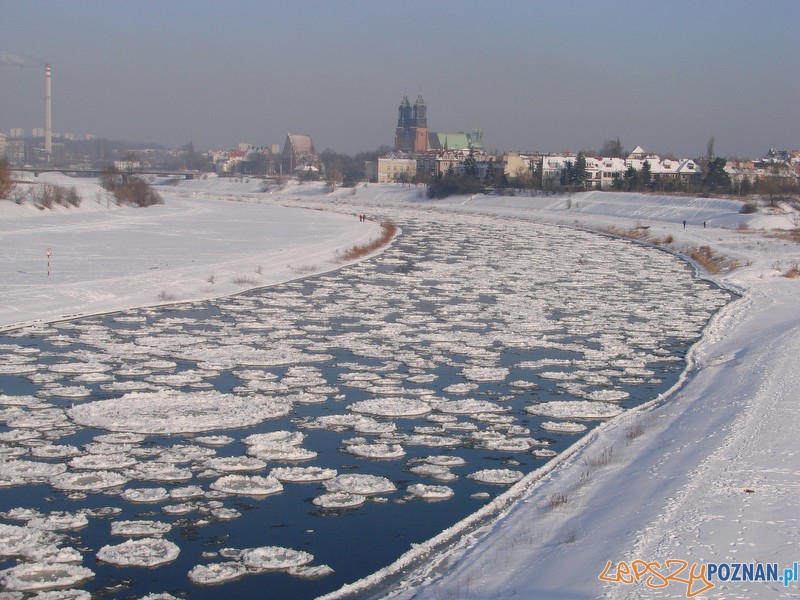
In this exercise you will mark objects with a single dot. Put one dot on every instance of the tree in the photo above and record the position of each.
(716, 178)
(612, 149)
(6, 184)
(645, 177)
(574, 175)
(632, 179)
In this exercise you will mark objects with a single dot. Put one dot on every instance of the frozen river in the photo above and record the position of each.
(294, 439)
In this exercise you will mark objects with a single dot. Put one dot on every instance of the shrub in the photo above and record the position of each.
(388, 231)
(748, 208)
(129, 189)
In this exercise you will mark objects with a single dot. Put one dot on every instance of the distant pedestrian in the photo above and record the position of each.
(704, 224)
(684, 223)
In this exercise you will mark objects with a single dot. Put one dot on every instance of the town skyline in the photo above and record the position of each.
(532, 77)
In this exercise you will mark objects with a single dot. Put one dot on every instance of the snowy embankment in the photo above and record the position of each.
(195, 246)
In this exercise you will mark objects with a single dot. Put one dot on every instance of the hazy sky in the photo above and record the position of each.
(533, 75)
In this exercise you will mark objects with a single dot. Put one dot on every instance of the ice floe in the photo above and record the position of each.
(302, 474)
(574, 409)
(359, 483)
(216, 573)
(140, 528)
(271, 558)
(244, 485)
(496, 476)
(173, 411)
(148, 552)
(430, 492)
(32, 577)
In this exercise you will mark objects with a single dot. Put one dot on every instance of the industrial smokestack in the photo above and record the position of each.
(48, 107)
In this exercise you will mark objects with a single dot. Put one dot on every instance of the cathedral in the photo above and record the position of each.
(411, 134)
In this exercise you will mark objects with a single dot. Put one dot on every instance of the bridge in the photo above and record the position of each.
(84, 172)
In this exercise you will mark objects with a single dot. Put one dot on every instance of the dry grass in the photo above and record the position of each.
(165, 296)
(388, 231)
(789, 235)
(793, 272)
(244, 279)
(557, 500)
(705, 257)
(605, 457)
(304, 269)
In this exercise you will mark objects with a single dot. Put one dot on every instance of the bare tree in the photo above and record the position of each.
(6, 184)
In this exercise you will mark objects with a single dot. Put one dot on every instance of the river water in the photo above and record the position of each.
(469, 353)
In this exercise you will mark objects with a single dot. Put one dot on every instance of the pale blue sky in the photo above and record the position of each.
(533, 75)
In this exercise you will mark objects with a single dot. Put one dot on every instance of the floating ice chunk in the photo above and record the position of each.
(25, 542)
(293, 438)
(15, 472)
(182, 508)
(607, 395)
(575, 409)
(19, 435)
(306, 572)
(235, 464)
(274, 558)
(440, 472)
(32, 577)
(445, 460)
(54, 451)
(244, 485)
(504, 444)
(186, 492)
(158, 471)
(173, 411)
(376, 451)
(217, 572)
(302, 474)
(145, 495)
(391, 407)
(563, 427)
(65, 391)
(102, 462)
(119, 438)
(432, 441)
(339, 500)
(485, 373)
(88, 482)
(430, 492)
(59, 521)
(358, 483)
(63, 595)
(496, 476)
(225, 514)
(281, 453)
(148, 552)
(544, 453)
(214, 440)
(143, 528)
(467, 406)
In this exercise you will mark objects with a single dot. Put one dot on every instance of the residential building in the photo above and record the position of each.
(396, 166)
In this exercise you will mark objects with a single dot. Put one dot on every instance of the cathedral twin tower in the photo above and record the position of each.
(411, 134)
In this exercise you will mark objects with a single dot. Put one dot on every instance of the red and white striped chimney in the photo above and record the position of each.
(48, 106)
